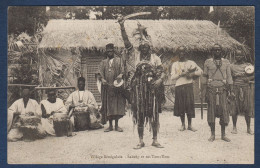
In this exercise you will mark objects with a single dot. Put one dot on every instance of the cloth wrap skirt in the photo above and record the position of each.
(217, 105)
(184, 101)
(241, 103)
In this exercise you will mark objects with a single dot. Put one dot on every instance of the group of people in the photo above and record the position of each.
(225, 82)
(26, 107)
(143, 89)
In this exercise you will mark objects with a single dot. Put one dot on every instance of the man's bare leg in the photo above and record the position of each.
(117, 128)
(182, 123)
(141, 142)
(223, 135)
(189, 125)
(212, 129)
(234, 119)
(110, 128)
(155, 142)
(248, 121)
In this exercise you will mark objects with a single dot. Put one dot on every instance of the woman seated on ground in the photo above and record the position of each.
(49, 107)
(24, 119)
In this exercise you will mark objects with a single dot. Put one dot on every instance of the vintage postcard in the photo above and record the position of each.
(131, 85)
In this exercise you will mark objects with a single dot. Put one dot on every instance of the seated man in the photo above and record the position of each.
(83, 100)
(49, 107)
(22, 108)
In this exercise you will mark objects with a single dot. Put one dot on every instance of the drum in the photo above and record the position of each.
(29, 121)
(81, 120)
(61, 124)
(29, 126)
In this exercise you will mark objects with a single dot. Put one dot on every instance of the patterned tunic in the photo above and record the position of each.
(219, 75)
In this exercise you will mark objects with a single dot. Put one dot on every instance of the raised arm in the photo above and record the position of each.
(127, 43)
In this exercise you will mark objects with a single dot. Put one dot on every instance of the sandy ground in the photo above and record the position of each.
(97, 147)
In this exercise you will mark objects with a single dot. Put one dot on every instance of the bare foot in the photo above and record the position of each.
(72, 134)
(234, 131)
(119, 129)
(182, 128)
(139, 146)
(157, 145)
(224, 138)
(191, 129)
(108, 129)
(212, 138)
(250, 132)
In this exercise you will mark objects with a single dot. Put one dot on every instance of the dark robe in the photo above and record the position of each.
(113, 101)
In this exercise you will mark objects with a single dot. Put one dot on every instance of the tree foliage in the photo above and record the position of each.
(26, 19)
(239, 21)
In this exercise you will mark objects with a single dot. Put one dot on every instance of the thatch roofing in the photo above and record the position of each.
(166, 34)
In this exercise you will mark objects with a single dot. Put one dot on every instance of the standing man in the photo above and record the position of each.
(82, 98)
(219, 82)
(241, 91)
(147, 95)
(113, 102)
(184, 71)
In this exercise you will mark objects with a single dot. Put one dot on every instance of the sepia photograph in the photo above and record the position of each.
(131, 85)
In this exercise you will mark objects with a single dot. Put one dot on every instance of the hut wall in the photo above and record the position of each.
(90, 64)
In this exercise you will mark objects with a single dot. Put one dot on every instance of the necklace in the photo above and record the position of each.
(218, 63)
(146, 57)
(110, 62)
(80, 98)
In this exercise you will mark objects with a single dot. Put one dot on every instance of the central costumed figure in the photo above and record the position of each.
(145, 77)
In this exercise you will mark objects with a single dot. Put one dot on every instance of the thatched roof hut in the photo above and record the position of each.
(77, 39)
(166, 34)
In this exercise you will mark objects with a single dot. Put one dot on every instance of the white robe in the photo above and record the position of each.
(58, 106)
(18, 106)
(87, 99)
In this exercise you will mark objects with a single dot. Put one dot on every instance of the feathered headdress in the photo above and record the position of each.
(142, 35)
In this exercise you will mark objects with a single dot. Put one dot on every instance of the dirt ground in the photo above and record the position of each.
(98, 147)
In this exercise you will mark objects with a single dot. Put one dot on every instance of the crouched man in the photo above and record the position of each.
(24, 119)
